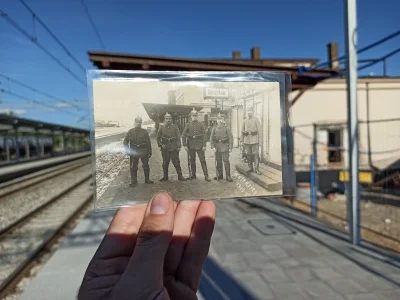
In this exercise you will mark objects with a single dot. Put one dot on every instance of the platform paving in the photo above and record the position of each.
(119, 192)
(309, 261)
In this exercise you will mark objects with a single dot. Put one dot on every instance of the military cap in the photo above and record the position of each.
(194, 112)
(167, 115)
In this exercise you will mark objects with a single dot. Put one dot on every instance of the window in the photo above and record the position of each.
(335, 141)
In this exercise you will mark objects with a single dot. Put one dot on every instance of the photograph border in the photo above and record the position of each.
(282, 78)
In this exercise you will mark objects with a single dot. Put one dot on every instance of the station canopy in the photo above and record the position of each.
(157, 111)
(20, 122)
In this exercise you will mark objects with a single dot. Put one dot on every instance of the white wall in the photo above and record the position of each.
(189, 94)
(327, 103)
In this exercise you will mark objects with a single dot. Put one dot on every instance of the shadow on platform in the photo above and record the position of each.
(217, 284)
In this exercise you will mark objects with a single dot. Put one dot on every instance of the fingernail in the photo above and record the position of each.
(159, 204)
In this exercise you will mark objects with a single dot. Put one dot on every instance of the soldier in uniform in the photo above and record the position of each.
(138, 146)
(251, 139)
(169, 141)
(195, 140)
(222, 143)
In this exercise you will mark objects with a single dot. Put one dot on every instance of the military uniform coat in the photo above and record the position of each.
(169, 136)
(221, 139)
(194, 136)
(251, 131)
(137, 142)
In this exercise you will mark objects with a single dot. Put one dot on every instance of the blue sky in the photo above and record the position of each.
(197, 29)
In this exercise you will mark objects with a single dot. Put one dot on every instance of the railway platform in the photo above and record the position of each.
(17, 170)
(260, 250)
(105, 136)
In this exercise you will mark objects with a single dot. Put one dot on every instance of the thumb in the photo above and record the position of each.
(153, 239)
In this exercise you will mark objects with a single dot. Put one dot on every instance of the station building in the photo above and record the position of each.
(317, 101)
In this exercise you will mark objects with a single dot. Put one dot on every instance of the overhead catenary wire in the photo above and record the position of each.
(93, 25)
(36, 101)
(379, 59)
(39, 91)
(363, 49)
(34, 40)
(36, 17)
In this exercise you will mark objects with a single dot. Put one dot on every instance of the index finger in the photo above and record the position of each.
(121, 235)
(197, 247)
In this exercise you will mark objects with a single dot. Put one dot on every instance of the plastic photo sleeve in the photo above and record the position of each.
(196, 135)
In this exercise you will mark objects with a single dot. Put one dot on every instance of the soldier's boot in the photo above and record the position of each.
(193, 167)
(133, 178)
(250, 163)
(165, 178)
(179, 172)
(147, 176)
(257, 164)
(228, 172)
(221, 175)
(205, 171)
(180, 176)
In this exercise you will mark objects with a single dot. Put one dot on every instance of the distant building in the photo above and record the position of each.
(172, 97)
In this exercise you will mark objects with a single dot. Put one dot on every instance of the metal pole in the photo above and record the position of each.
(16, 143)
(313, 186)
(264, 138)
(353, 195)
(384, 67)
(315, 157)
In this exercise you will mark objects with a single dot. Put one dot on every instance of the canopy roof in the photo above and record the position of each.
(21, 122)
(301, 78)
(156, 111)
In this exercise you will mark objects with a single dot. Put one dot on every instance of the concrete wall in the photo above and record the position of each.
(327, 103)
(189, 94)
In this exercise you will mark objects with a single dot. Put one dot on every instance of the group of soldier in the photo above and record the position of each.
(194, 140)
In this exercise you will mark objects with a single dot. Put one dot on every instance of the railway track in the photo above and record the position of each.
(27, 236)
(34, 211)
(12, 186)
(104, 171)
(23, 242)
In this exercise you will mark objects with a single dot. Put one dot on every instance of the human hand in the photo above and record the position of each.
(215, 150)
(186, 148)
(163, 146)
(152, 251)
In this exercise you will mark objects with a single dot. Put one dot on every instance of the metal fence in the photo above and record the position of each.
(321, 160)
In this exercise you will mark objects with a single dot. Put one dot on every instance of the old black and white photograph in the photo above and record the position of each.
(196, 140)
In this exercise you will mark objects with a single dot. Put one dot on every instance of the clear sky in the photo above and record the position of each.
(197, 29)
